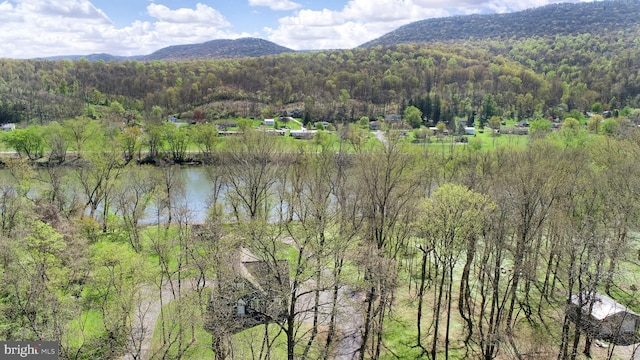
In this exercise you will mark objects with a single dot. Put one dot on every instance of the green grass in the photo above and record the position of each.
(83, 329)
(244, 344)
(198, 342)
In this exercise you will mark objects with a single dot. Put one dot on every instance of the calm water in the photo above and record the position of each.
(192, 201)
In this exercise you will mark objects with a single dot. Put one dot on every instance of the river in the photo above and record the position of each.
(192, 200)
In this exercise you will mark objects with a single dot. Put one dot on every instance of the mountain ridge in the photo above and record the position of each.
(212, 49)
(544, 21)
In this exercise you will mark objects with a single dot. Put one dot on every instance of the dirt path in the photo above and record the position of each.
(146, 316)
(349, 322)
(381, 137)
(619, 353)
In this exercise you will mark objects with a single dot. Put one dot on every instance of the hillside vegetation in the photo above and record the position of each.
(216, 49)
(598, 17)
(528, 78)
(389, 245)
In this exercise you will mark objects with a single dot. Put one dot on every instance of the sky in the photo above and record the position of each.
(41, 28)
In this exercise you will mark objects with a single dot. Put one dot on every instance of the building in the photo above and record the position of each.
(256, 294)
(269, 122)
(8, 127)
(302, 134)
(375, 125)
(603, 318)
(393, 118)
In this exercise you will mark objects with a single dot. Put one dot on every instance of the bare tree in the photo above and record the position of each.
(251, 174)
(388, 192)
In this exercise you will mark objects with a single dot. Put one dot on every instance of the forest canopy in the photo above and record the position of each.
(532, 78)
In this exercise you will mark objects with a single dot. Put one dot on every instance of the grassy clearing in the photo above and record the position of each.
(196, 339)
(84, 329)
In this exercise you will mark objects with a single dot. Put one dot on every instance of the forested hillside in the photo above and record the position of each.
(349, 244)
(597, 17)
(216, 49)
(535, 77)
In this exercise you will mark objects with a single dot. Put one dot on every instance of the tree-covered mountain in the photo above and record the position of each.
(528, 78)
(600, 17)
(214, 49)
(221, 48)
(94, 57)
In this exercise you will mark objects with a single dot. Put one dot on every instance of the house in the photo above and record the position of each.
(256, 294)
(375, 125)
(393, 118)
(515, 131)
(603, 318)
(296, 113)
(302, 134)
(269, 122)
(276, 132)
(469, 130)
(8, 127)
(434, 131)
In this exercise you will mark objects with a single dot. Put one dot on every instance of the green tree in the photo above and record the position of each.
(452, 221)
(494, 122)
(596, 108)
(154, 140)
(204, 136)
(594, 123)
(538, 129)
(156, 114)
(364, 122)
(116, 109)
(28, 141)
(36, 281)
(413, 116)
(131, 141)
(489, 109)
(79, 132)
(177, 140)
(610, 126)
(55, 140)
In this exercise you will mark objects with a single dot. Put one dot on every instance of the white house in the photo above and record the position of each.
(8, 127)
(269, 122)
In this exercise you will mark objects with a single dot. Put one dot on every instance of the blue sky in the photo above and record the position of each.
(38, 28)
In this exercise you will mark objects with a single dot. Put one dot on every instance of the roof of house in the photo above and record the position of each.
(603, 306)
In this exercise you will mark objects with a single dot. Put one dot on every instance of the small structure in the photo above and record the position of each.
(469, 130)
(256, 293)
(375, 125)
(8, 127)
(393, 118)
(515, 131)
(302, 134)
(269, 122)
(603, 318)
(276, 132)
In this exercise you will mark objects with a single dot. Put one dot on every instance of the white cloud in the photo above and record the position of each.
(357, 22)
(360, 21)
(275, 4)
(202, 14)
(36, 28)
